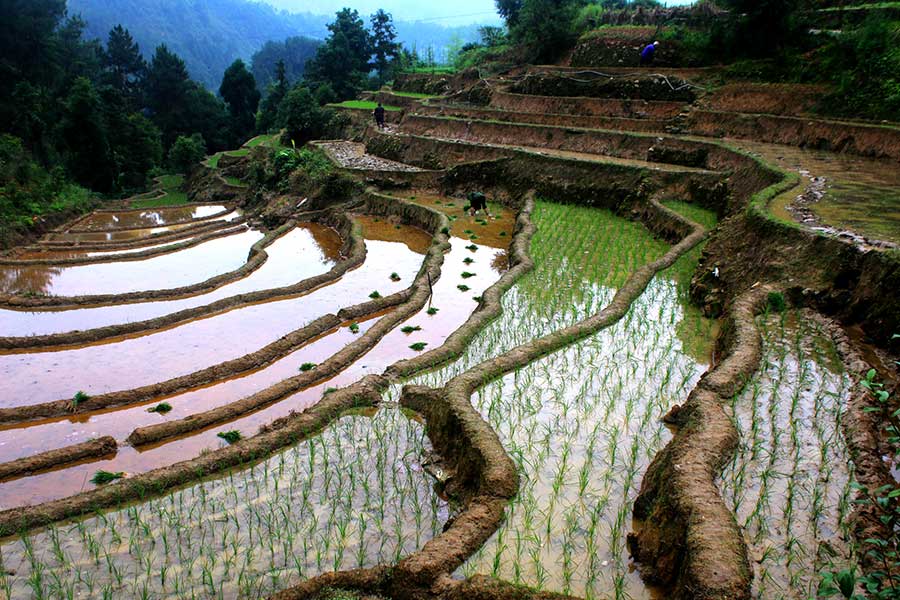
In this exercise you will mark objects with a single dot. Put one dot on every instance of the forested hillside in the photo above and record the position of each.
(210, 34)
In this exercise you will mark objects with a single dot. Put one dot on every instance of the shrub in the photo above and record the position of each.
(187, 152)
(776, 302)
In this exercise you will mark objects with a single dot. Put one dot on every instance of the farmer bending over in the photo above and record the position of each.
(648, 54)
(477, 201)
(379, 116)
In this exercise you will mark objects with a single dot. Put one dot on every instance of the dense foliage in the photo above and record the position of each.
(293, 54)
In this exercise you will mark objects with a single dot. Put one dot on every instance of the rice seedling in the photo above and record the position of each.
(418, 346)
(232, 437)
(789, 478)
(375, 295)
(468, 260)
(432, 310)
(79, 398)
(161, 408)
(410, 329)
(582, 424)
(463, 288)
(395, 277)
(353, 327)
(467, 275)
(307, 366)
(103, 477)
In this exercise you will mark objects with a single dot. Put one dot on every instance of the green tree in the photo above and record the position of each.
(764, 27)
(167, 87)
(546, 27)
(509, 10)
(268, 111)
(293, 53)
(124, 64)
(343, 60)
(301, 116)
(385, 48)
(27, 37)
(187, 152)
(84, 135)
(239, 91)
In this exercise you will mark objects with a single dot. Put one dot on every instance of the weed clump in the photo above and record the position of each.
(79, 398)
(231, 437)
(161, 408)
(103, 477)
(776, 302)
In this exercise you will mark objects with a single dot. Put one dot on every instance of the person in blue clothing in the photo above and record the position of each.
(648, 53)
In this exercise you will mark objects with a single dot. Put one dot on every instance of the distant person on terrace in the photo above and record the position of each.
(648, 54)
(379, 116)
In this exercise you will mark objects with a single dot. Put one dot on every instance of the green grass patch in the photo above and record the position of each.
(213, 161)
(697, 214)
(235, 181)
(412, 94)
(260, 140)
(365, 105)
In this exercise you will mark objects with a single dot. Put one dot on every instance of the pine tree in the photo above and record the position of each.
(385, 49)
(239, 91)
(343, 60)
(124, 64)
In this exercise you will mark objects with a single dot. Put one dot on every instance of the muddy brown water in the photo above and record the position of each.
(858, 194)
(307, 250)
(454, 308)
(188, 266)
(151, 217)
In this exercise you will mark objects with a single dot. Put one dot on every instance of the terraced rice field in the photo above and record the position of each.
(397, 397)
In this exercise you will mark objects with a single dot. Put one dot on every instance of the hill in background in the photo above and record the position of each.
(210, 34)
